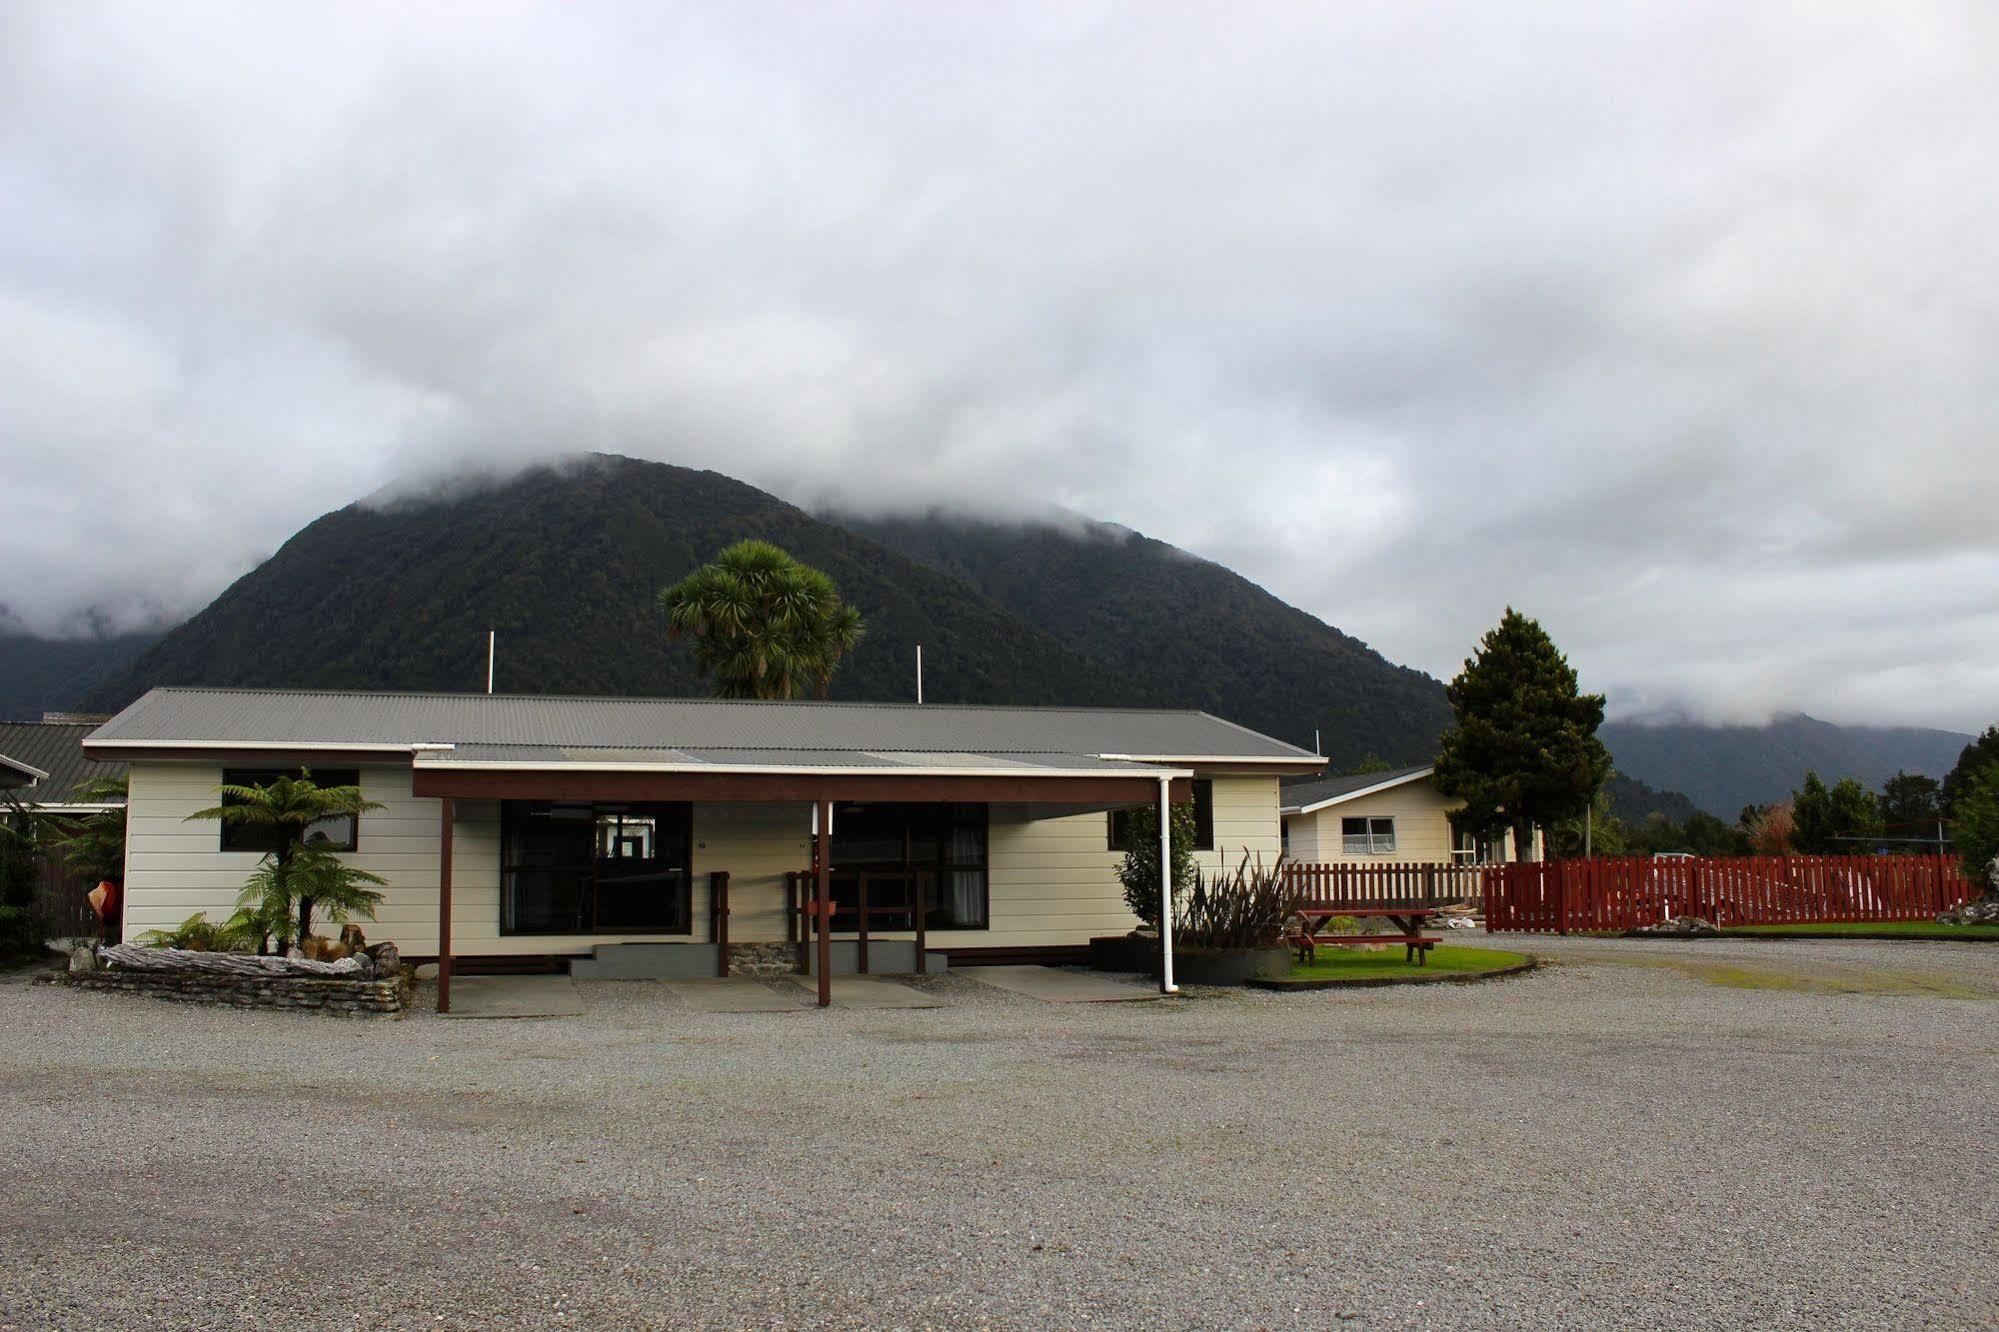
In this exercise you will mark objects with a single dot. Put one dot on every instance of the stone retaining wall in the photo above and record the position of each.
(386, 997)
(764, 960)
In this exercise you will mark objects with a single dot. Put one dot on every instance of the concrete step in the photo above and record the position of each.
(645, 961)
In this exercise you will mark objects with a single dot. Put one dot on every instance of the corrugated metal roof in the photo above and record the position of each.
(1301, 795)
(703, 730)
(57, 749)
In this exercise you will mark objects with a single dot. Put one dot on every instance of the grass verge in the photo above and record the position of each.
(1346, 966)
(1865, 929)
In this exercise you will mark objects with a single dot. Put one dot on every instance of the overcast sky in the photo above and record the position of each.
(1675, 325)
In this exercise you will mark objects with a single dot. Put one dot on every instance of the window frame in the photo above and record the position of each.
(670, 818)
(928, 817)
(1368, 841)
(1117, 822)
(237, 838)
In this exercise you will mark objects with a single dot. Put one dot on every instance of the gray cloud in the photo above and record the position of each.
(1673, 324)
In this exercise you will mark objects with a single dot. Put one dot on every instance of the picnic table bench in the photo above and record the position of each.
(1307, 921)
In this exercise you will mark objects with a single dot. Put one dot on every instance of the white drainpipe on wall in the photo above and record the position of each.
(1166, 985)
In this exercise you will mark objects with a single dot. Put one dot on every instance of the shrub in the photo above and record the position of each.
(1246, 909)
(1139, 871)
(197, 933)
(21, 924)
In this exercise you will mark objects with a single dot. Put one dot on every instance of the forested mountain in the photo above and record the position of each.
(1189, 629)
(565, 561)
(40, 675)
(1723, 768)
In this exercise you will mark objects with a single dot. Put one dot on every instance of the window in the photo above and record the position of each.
(595, 869)
(902, 849)
(1366, 836)
(1204, 820)
(340, 833)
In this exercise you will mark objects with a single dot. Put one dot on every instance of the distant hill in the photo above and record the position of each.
(564, 561)
(1186, 629)
(1723, 768)
(40, 675)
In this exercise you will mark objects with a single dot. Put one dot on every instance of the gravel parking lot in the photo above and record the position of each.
(1672, 1135)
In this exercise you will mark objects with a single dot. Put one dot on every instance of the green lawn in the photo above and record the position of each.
(1350, 964)
(1897, 929)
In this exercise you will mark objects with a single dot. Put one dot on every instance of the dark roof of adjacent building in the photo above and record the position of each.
(1300, 796)
(534, 729)
(54, 748)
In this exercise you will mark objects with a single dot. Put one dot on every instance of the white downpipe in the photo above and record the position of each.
(492, 647)
(1166, 985)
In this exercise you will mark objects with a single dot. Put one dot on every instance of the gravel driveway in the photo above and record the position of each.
(1623, 1139)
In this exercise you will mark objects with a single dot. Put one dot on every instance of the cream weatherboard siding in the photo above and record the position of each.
(1422, 827)
(1052, 881)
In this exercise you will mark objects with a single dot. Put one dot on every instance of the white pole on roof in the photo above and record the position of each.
(1166, 985)
(1315, 741)
(492, 640)
(919, 672)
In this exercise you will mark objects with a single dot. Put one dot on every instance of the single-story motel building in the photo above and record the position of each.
(687, 837)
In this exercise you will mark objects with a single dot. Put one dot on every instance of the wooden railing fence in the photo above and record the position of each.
(1366, 884)
(1615, 894)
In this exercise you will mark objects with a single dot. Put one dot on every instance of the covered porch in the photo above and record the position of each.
(847, 897)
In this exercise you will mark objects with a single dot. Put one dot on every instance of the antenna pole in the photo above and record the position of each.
(492, 639)
(919, 672)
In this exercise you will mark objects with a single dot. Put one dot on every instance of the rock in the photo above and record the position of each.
(1981, 911)
(1680, 927)
(426, 971)
(83, 959)
(387, 958)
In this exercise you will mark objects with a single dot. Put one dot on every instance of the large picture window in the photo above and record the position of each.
(339, 833)
(938, 848)
(1204, 820)
(595, 869)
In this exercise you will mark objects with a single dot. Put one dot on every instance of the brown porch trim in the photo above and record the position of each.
(804, 787)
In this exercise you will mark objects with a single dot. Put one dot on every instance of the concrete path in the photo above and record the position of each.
(737, 994)
(1061, 987)
(514, 997)
(859, 992)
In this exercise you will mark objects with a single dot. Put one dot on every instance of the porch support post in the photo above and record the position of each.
(446, 819)
(1166, 985)
(822, 862)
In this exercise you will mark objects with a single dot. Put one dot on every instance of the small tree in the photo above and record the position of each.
(1139, 871)
(1911, 805)
(1523, 750)
(1771, 829)
(1834, 820)
(764, 625)
(21, 923)
(93, 845)
(288, 806)
(1972, 760)
(1975, 830)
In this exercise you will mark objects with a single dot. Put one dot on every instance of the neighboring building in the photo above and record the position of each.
(15, 774)
(53, 753)
(575, 825)
(1382, 817)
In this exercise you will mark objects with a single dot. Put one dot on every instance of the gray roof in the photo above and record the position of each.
(1302, 795)
(541, 728)
(55, 748)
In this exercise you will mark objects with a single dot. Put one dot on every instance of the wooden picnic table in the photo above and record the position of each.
(1409, 920)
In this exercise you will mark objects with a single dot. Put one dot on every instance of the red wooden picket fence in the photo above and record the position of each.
(1365, 884)
(1617, 894)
